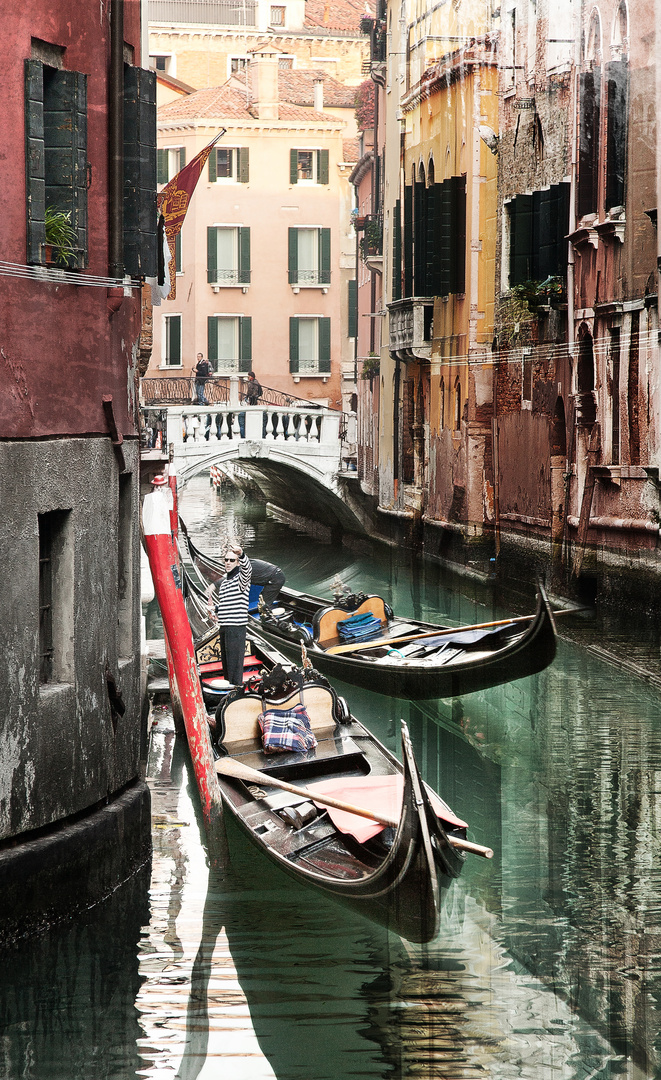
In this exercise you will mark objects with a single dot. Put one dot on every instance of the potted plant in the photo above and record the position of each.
(372, 238)
(61, 236)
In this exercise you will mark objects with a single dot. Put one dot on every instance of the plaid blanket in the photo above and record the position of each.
(286, 730)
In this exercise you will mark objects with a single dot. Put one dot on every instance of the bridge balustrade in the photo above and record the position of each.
(254, 423)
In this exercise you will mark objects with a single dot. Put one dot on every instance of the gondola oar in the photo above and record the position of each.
(335, 650)
(231, 767)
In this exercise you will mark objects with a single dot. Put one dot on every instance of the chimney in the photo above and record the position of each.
(319, 95)
(264, 81)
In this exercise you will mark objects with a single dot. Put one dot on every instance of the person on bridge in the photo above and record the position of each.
(253, 390)
(203, 371)
(272, 578)
(229, 597)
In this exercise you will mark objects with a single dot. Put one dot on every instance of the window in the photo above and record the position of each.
(169, 161)
(125, 519)
(614, 373)
(238, 63)
(457, 406)
(140, 241)
(56, 622)
(229, 163)
(228, 255)
(442, 403)
(309, 345)
(286, 63)
(229, 344)
(526, 390)
(309, 256)
(56, 154)
(308, 167)
(278, 16)
(352, 306)
(172, 341)
(538, 225)
(177, 253)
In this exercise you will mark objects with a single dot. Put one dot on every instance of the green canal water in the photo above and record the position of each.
(547, 965)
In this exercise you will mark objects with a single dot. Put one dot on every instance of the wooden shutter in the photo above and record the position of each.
(397, 251)
(212, 254)
(65, 143)
(213, 166)
(430, 222)
(408, 241)
(245, 343)
(244, 256)
(419, 236)
(35, 160)
(322, 166)
(617, 76)
(520, 239)
(293, 166)
(140, 218)
(174, 334)
(445, 273)
(324, 326)
(458, 234)
(543, 235)
(243, 164)
(560, 219)
(177, 252)
(588, 151)
(352, 308)
(293, 256)
(293, 345)
(161, 166)
(182, 157)
(212, 338)
(324, 256)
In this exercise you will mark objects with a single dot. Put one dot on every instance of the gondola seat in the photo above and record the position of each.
(325, 621)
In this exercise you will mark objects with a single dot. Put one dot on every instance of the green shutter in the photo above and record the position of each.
(322, 166)
(458, 234)
(353, 308)
(245, 343)
(520, 239)
(65, 143)
(244, 256)
(161, 166)
(243, 164)
(213, 166)
(445, 239)
(175, 339)
(212, 338)
(35, 159)
(324, 346)
(293, 256)
(430, 220)
(324, 256)
(293, 166)
(396, 290)
(182, 157)
(408, 240)
(140, 219)
(293, 345)
(177, 252)
(212, 254)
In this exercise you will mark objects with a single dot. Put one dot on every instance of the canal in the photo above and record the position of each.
(548, 962)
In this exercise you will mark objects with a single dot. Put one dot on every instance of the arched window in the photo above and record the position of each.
(457, 405)
(617, 105)
(442, 404)
(590, 112)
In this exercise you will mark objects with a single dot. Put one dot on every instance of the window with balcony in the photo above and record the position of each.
(229, 163)
(308, 167)
(309, 257)
(229, 343)
(172, 341)
(309, 345)
(169, 161)
(228, 255)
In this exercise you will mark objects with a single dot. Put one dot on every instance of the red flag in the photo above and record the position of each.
(173, 202)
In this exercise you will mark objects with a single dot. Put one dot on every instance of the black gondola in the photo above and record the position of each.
(406, 657)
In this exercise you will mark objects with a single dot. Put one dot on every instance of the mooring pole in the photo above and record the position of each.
(167, 586)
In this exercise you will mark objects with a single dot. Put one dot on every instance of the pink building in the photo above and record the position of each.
(266, 250)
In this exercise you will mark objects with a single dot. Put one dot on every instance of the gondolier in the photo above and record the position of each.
(272, 578)
(229, 598)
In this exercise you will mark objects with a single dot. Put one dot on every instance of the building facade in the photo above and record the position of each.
(78, 110)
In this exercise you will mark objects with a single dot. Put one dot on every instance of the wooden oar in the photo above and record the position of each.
(230, 767)
(335, 650)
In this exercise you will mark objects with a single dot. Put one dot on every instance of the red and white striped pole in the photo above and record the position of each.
(167, 586)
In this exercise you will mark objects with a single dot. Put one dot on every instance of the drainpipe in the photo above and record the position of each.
(572, 192)
(116, 141)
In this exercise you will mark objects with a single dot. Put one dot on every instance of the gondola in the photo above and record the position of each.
(404, 657)
(394, 871)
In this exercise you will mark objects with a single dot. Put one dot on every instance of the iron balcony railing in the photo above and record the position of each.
(209, 12)
(155, 392)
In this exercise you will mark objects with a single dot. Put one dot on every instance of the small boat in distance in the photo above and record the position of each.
(390, 654)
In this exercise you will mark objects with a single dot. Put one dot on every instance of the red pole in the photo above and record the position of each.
(167, 586)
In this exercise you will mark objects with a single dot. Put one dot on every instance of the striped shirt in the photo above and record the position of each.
(233, 594)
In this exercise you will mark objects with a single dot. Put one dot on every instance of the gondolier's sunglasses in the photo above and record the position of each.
(231, 560)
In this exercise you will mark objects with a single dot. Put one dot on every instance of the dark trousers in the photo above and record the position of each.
(272, 587)
(232, 651)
